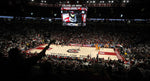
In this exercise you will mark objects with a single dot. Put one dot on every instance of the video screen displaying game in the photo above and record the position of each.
(73, 16)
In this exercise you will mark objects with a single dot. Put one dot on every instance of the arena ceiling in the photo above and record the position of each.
(129, 8)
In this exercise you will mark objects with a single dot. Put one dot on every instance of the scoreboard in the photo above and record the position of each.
(73, 16)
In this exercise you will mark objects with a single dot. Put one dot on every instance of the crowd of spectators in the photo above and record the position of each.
(28, 34)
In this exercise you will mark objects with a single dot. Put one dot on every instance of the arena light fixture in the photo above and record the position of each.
(55, 14)
(121, 15)
(124, 1)
(87, 2)
(68, 2)
(127, 1)
(42, 1)
(101, 1)
(93, 1)
(49, 20)
(112, 1)
(31, 13)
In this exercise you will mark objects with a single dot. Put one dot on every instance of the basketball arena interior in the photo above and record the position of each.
(75, 40)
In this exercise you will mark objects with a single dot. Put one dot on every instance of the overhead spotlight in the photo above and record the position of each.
(112, 1)
(32, 0)
(101, 1)
(127, 1)
(124, 1)
(77, 1)
(55, 14)
(121, 15)
(42, 1)
(49, 20)
(93, 1)
(31, 13)
(87, 2)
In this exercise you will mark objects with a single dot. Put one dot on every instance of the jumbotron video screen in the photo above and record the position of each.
(73, 16)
